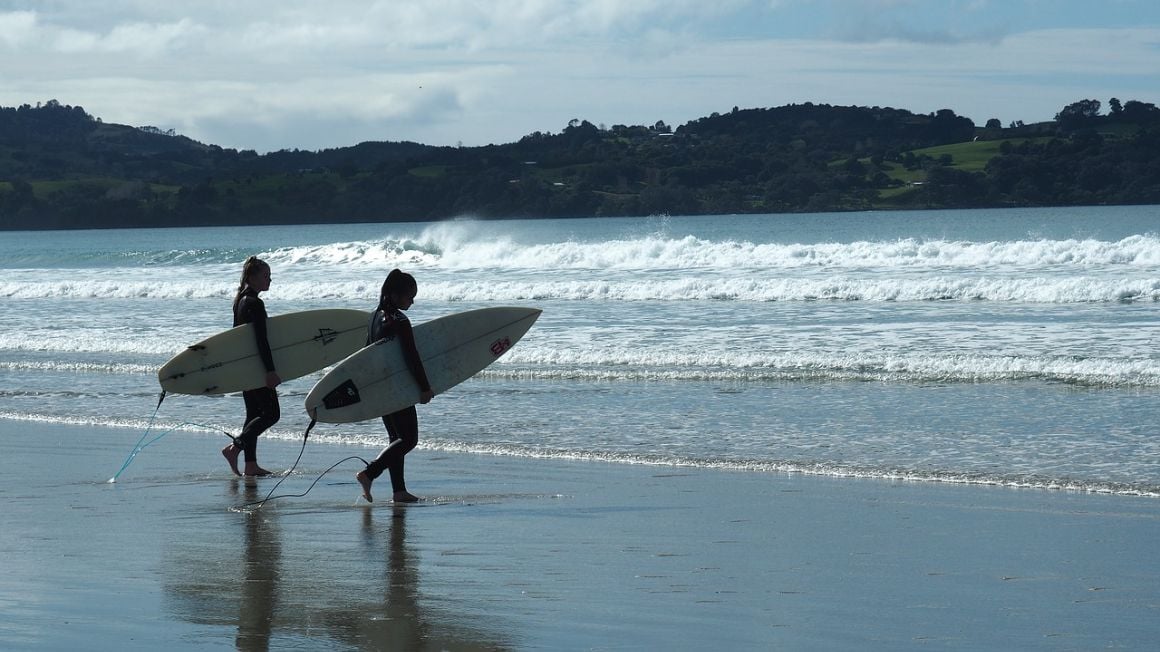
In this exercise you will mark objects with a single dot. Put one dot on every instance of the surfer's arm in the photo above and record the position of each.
(414, 362)
(255, 311)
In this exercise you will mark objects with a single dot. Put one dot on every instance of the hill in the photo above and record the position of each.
(63, 168)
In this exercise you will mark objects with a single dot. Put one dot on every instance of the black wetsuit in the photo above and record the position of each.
(392, 324)
(262, 409)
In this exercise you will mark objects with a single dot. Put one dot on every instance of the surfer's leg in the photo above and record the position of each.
(403, 427)
(262, 411)
(367, 476)
(380, 463)
(403, 433)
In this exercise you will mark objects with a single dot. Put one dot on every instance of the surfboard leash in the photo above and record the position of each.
(305, 436)
(139, 446)
(258, 504)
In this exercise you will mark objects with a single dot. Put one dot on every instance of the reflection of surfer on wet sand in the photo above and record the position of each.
(405, 630)
(404, 618)
(259, 594)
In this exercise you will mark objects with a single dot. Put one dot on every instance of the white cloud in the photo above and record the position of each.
(17, 28)
(24, 30)
(304, 74)
(150, 39)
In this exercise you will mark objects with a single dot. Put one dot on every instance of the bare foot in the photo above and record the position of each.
(255, 471)
(231, 453)
(405, 497)
(365, 481)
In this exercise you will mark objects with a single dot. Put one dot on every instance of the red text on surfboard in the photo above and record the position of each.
(499, 346)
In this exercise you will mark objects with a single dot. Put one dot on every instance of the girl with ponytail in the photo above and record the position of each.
(390, 323)
(262, 409)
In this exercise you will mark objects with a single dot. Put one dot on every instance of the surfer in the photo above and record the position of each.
(262, 409)
(390, 323)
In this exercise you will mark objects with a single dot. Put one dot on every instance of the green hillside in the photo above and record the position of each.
(62, 168)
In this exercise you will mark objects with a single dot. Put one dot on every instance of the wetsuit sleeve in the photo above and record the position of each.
(253, 311)
(411, 354)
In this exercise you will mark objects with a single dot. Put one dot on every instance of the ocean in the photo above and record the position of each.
(1014, 347)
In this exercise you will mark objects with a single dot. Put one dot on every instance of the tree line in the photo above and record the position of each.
(63, 168)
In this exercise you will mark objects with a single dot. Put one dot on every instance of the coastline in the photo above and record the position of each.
(513, 553)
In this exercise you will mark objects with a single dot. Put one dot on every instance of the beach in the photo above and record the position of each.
(525, 554)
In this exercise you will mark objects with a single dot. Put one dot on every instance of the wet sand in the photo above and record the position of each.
(507, 553)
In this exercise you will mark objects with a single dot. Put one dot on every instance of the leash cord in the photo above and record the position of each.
(268, 497)
(139, 446)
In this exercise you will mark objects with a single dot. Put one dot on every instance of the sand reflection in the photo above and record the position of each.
(259, 588)
(399, 620)
(277, 577)
(228, 573)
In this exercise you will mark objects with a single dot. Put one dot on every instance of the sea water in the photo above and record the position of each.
(1015, 347)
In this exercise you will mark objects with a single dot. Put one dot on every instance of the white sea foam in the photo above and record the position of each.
(845, 287)
(747, 366)
(771, 354)
(75, 366)
(654, 364)
(448, 249)
(653, 267)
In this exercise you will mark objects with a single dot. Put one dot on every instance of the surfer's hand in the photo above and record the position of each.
(425, 397)
(273, 379)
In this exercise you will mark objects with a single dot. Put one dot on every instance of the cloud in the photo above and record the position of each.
(933, 22)
(299, 73)
(17, 28)
(25, 30)
(152, 39)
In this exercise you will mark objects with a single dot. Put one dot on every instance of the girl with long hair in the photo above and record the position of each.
(262, 409)
(391, 323)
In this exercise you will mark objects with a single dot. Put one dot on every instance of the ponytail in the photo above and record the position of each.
(397, 282)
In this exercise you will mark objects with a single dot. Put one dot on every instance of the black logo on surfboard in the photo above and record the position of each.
(342, 396)
(326, 336)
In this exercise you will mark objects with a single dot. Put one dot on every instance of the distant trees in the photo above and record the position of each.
(946, 127)
(157, 130)
(1140, 112)
(1088, 169)
(61, 168)
(1086, 114)
(1133, 111)
(1078, 114)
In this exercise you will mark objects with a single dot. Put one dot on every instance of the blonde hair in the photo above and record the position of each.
(252, 265)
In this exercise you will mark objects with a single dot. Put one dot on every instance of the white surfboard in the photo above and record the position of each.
(301, 342)
(375, 380)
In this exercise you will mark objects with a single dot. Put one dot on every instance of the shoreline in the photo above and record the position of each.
(518, 553)
(824, 470)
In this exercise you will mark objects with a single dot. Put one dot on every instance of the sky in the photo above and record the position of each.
(269, 75)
